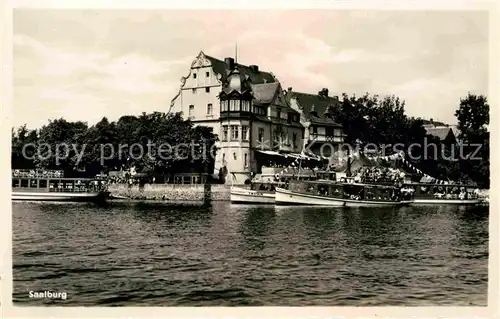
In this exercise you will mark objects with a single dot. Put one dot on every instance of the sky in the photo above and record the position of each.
(87, 64)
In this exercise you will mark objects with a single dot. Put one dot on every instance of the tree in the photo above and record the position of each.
(473, 120)
(58, 145)
(132, 141)
(20, 138)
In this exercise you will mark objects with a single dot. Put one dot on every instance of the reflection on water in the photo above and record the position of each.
(158, 254)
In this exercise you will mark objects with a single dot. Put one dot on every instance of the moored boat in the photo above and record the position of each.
(330, 193)
(443, 194)
(262, 188)
(253, 195)
(52, 187)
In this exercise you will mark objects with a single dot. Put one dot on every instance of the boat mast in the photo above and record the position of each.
(300, 165)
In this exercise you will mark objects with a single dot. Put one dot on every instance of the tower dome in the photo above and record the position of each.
(236, 82)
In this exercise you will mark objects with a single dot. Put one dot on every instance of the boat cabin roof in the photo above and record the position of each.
(329, 183)
(59, 178)
(440, 185)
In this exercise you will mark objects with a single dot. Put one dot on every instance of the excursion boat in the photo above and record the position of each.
(443, 194)
(257, 193)
(54, 187)
(332, 193)
(262, 188)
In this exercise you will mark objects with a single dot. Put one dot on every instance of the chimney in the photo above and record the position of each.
(323, 92)
(230, 63)
(254, 68)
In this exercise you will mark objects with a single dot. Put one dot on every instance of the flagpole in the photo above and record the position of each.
(300, 165)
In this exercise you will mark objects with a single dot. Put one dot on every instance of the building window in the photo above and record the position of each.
(244, 132)
(246, 160)
(245, 106)
(234, 105)
(259, 110)
(207, 89)
(278, 114)
(191, 110)
(223, 106)
(210, 109)
(224, 159)
(294, 140)
(315, 130)
(194, 90)
(234, 132)
(194, 75)
(261, 134)
(207, 74)
(225, 130)
(234, 156)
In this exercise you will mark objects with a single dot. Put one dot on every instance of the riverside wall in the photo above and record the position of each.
(172, 192)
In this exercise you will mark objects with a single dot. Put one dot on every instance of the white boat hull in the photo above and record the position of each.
(242, 195)
(62, 196)
(445, 202)
(286, 197)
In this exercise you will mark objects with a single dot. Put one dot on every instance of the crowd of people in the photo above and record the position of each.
(37, 173)
(378, 174)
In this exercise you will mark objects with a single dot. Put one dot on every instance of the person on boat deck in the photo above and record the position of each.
(462, 195)
(358, 177)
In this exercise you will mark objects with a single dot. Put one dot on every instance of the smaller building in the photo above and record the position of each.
(445, 133)
(322, 135)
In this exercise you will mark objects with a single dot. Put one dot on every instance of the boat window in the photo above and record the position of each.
(312, 188)
(42, 183)
(24, 183)
(68, 185)
(335, 191)
(16, 183)
(322, 190)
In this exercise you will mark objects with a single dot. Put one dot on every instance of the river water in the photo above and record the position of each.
(154, 254)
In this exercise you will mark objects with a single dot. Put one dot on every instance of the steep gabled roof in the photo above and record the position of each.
(433, 123)
(258, 77)
(314, 107)
(440, 132)
(265, 93)
(270, 94)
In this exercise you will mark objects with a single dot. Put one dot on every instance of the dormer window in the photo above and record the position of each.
(194, 75)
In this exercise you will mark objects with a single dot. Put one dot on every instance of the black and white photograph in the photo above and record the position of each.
(238, 157)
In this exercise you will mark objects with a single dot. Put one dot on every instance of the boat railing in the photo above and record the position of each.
(379, 181)
(76, 190)
(37, 173)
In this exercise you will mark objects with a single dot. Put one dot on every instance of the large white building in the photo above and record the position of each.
(253, 116)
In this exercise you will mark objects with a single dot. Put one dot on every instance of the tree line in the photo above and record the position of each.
(132, 141)
(383, 122)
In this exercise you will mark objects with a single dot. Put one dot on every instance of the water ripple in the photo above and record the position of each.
(146, 254)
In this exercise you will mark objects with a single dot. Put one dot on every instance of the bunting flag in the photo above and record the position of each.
(399, 155)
